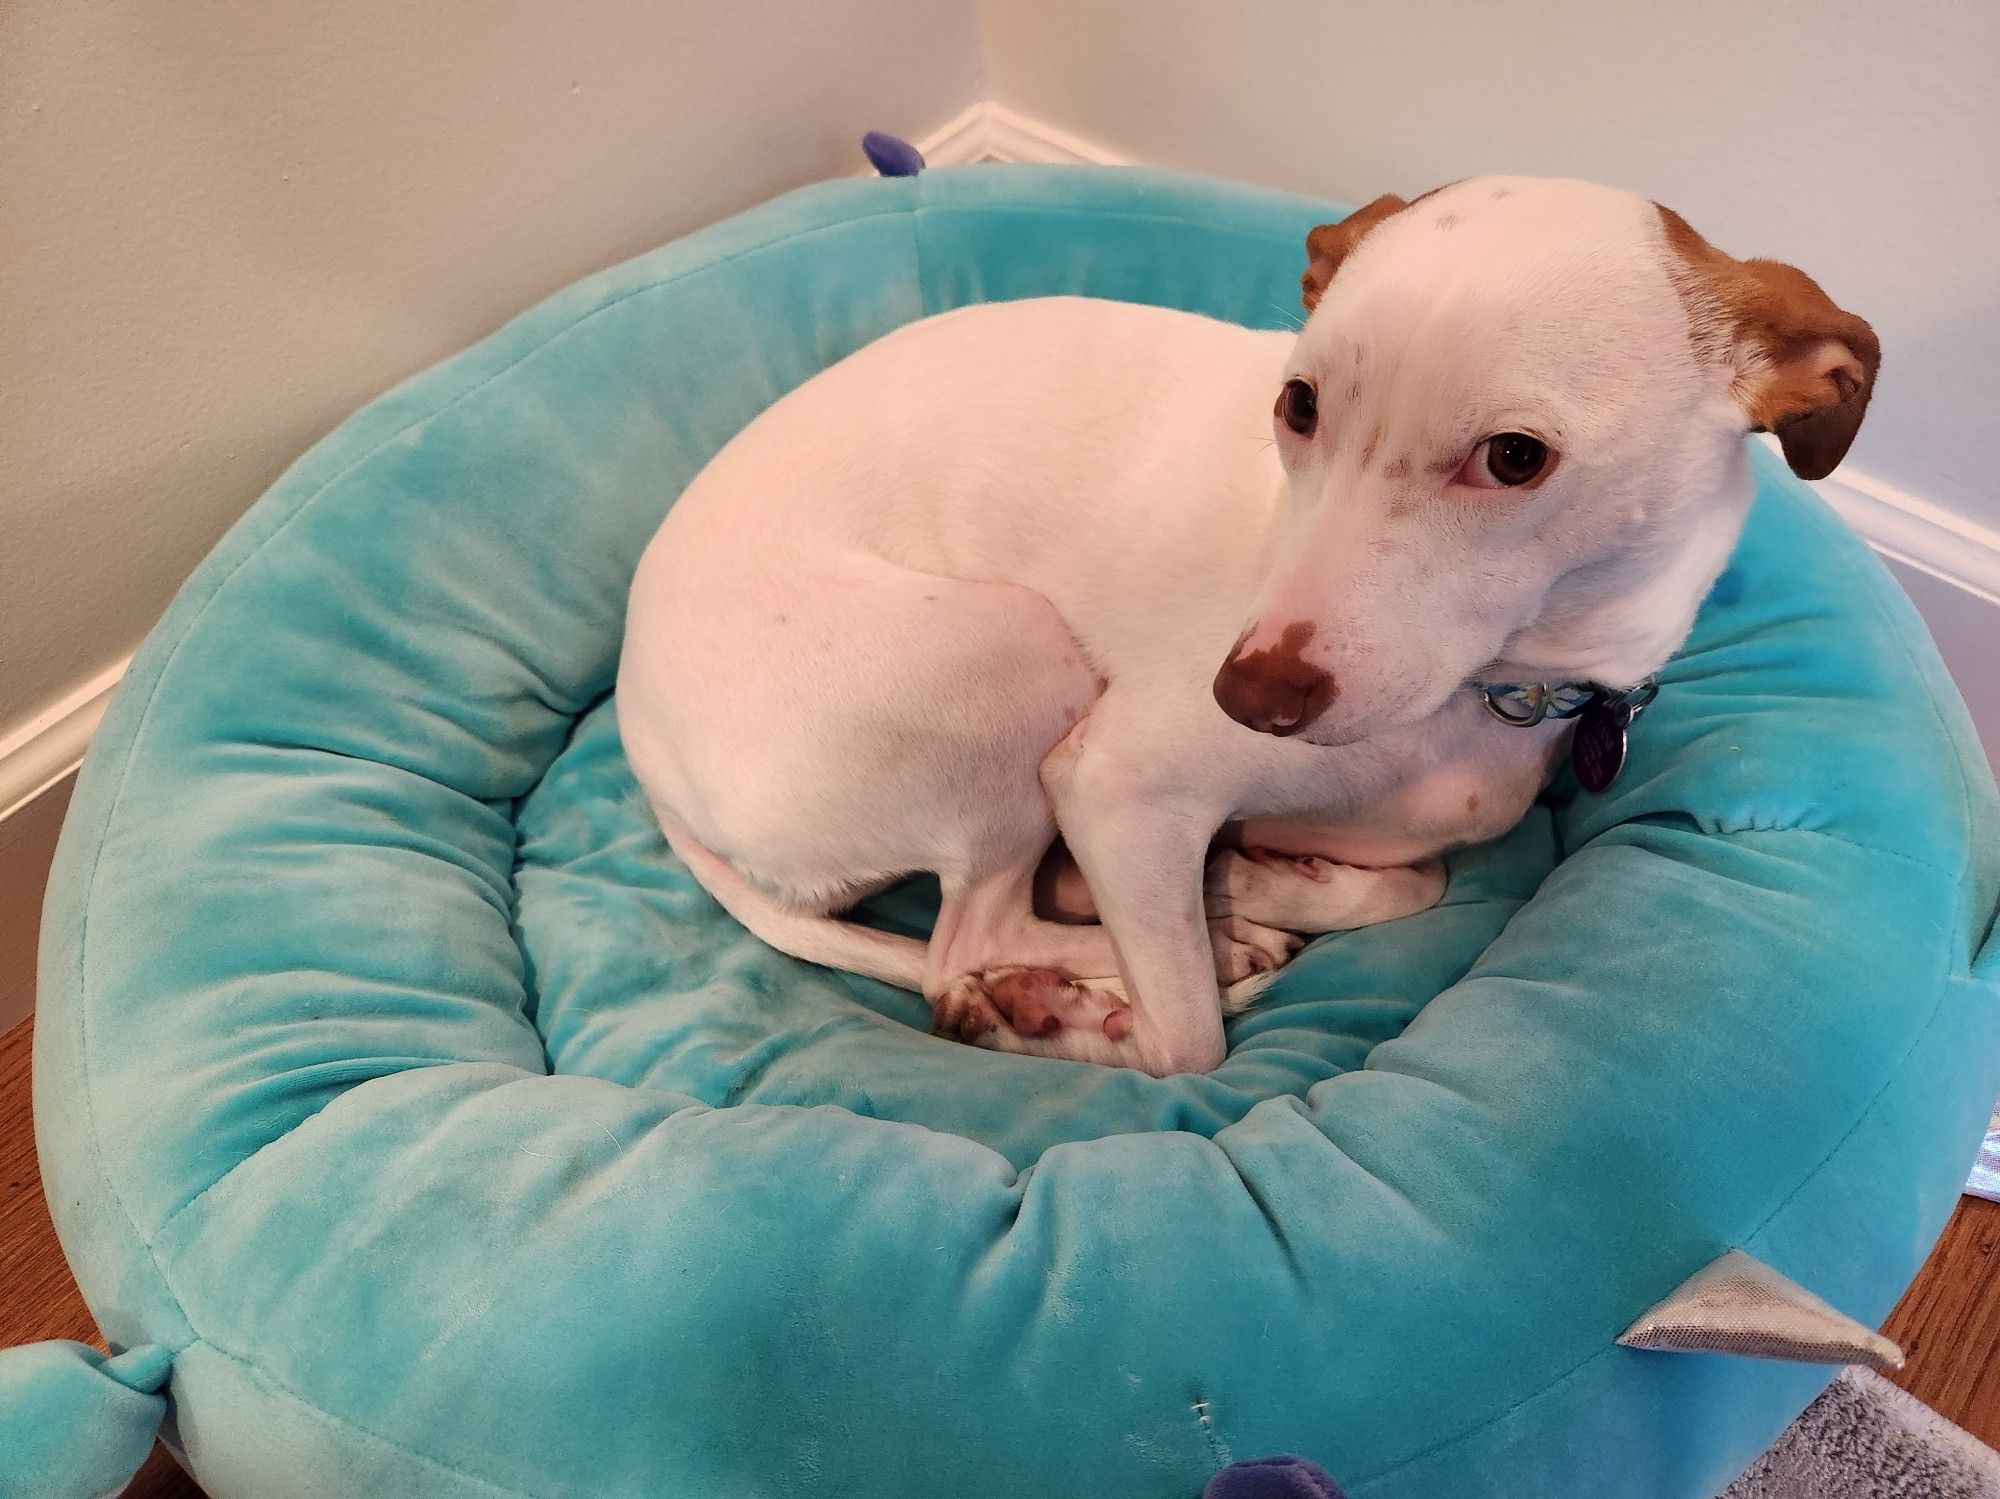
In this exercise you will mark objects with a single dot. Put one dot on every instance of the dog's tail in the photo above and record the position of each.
(826, 940)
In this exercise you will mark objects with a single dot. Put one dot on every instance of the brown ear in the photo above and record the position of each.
(1803, 368)
(1330, 244)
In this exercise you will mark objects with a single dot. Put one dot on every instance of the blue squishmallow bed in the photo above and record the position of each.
(416, 1126)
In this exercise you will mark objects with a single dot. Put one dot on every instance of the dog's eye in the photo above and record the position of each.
(1506, 460)
(1298, 407)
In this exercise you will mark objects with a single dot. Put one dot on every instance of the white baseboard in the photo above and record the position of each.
(1915, 534)
(37, 761)
(993, 132)
(50, 745)
(1918, 534)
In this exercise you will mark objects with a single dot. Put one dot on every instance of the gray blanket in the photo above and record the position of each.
(1866, 1439)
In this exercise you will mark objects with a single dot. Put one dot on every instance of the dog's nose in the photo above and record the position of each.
(1273, 691)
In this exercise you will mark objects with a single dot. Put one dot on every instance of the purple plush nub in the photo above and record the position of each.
(1284, 1477)
(890, 155)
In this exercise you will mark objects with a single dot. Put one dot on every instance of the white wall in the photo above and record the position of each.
(228, 222)
(1966, 627)
(1859, 139)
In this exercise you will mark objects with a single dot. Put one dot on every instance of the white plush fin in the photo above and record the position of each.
(1741, 1305)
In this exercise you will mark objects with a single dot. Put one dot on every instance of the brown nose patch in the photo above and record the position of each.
(1275, 690)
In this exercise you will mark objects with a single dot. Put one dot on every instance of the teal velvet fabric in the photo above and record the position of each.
(391, 1072)
(74, 1421)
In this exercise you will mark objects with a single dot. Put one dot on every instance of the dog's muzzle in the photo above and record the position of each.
(1274, 694)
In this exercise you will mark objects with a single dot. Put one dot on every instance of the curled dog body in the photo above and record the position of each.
(1212, 607)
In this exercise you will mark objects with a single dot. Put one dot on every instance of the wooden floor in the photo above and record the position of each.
(37, 1297)
(1949, 1323)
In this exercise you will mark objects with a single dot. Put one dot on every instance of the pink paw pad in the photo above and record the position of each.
(1032, 999)
(1038, 1003)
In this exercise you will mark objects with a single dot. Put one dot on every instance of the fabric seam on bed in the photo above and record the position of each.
(260, 1375)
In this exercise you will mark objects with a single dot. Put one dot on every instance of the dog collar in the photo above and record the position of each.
(1605, 713)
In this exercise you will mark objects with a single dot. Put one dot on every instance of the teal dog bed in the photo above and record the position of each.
(416, 1127)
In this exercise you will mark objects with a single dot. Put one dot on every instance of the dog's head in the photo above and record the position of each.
(1512, 435)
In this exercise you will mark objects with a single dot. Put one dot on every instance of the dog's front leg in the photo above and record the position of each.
(1141, 846)
(1310, 894)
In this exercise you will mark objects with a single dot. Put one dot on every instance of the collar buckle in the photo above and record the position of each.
(1518, 705)
(1522, 705)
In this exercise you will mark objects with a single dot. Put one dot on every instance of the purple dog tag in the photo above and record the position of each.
(1598, 751)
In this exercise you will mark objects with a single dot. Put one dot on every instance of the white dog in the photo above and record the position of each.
(969, 590)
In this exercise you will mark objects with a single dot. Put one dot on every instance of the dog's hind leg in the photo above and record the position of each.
(1001, 976)
(875, 721)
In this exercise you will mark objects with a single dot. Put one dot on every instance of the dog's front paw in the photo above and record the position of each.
(1305, 893)
(1243, 949)
(1239, 996)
